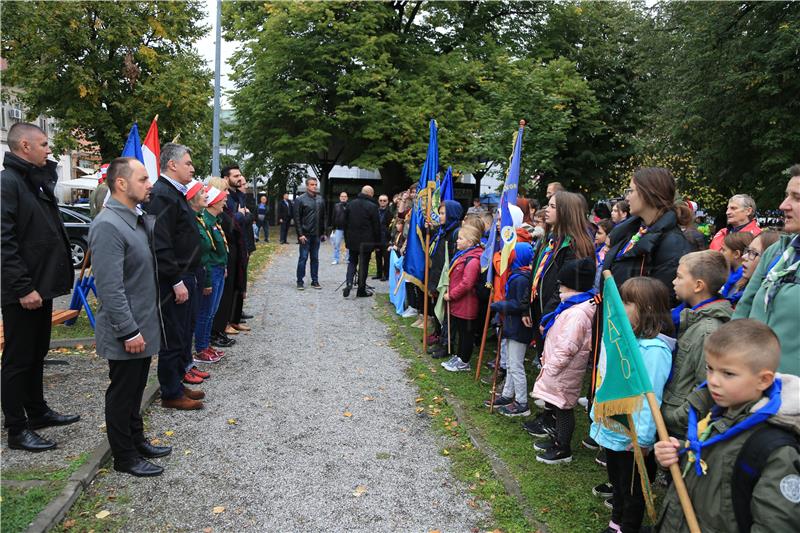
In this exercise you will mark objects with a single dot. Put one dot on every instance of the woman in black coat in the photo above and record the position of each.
(650, 242)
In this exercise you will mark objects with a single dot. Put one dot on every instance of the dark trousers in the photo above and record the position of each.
(178, 332)
(123, 406)
(309, 250)
(361, 260)
(382, 261)
(27, 340)
(262, 225)
(628, 502)
(284, 231)
(461, 330)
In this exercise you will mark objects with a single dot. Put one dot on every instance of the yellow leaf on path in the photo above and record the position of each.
(218, 510)
(445, 452)
(360, 491)
(187, 452)
(419, 409)
(232, 421)
(102, 514)
(348, 414)
(434, 531)
(207, 530)
(169, 433)
(368, 398)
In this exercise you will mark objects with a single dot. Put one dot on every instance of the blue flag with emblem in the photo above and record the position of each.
(133, 146)
(414, 260)
(509, 196)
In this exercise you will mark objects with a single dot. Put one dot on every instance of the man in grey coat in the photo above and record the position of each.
(128, 330)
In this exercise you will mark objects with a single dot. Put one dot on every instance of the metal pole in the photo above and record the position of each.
(217, 68)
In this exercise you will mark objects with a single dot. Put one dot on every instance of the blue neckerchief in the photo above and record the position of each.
(550, 318)
(734, 277)
(695, 445)
(735, 297)
(676, 311)
(459, 254)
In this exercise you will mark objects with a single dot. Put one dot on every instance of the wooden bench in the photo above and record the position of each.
(59, 317)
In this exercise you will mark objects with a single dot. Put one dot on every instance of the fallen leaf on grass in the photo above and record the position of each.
(232, 421)
(445, 452)
(419, 400)
(169, 433)
(69, 523)
(360, 491)
(102, 514)
(348, 414)
(419, 409)
(472, 503)
(79, 347)
(217, 510)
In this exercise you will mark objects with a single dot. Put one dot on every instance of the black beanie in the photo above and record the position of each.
(577, 274)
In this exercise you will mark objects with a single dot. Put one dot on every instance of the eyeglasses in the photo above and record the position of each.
(749, 252)
(627, 192)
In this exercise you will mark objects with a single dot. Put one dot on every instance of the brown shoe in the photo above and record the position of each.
(193, 394)
(183, 403)
(230, 330)
(241, 327)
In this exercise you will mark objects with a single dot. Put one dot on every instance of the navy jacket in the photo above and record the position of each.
(514, 307)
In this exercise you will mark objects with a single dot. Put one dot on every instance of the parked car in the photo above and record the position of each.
(77, 225)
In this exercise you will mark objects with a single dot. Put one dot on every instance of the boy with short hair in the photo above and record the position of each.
(744, 402)
(699, 278)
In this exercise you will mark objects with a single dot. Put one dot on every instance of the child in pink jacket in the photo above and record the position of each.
(567, 333)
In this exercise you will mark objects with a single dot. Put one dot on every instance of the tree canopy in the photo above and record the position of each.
(99, 66)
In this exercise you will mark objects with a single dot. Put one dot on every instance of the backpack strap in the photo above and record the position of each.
(750, 463)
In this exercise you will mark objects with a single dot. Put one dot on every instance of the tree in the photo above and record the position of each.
(725, 78)
(99, 66)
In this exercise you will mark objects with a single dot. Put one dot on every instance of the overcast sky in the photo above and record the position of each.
(206, 48)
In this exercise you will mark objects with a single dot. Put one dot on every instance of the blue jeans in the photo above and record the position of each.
(311, 247)
(208, 308)
(337, 239)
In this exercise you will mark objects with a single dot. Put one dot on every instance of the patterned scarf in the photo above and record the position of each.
(547, 257)
(631, 243)
(784, 267)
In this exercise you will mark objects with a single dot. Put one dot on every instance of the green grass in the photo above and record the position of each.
(20, 506)
(261, 257)
(558, 495)
(81, 329)
(82, 516)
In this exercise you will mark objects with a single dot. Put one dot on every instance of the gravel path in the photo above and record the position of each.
(309, 426)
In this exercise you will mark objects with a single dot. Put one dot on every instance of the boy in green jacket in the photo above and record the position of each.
(743, 396)
(699, 278)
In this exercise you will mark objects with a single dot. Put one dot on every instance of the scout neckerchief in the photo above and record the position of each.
(547, 257)
(698, 431)
(631, 243)
(550, 318)
(208, 232)
(457, 255)
(781, 268)
(676, 311)
(734, 277)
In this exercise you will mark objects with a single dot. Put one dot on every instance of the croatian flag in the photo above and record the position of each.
(151, 152)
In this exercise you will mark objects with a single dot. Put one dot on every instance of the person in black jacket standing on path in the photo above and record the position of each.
(361, 234)
(178, 254)
(36, 267)
(285, 209)
(382, 250)
(309, 221)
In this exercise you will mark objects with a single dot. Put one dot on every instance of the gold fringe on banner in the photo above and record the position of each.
(623, 406)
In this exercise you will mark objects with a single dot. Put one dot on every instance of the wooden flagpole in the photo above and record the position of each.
(485, 331)
(427, 267)
(449, 351)
(496, 367)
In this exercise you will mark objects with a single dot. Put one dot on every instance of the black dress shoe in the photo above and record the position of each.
(384, 278)
(377, 277)
(346, 291)
(246, 316)
(222, 341)
(364, 294)
(30, 441)
(51, 418)
(139, 468)
(151, 451)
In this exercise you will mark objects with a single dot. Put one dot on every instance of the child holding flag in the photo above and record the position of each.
(568, 339)
(462, 297)
(515, 334)
(646, 302)
(741, 465)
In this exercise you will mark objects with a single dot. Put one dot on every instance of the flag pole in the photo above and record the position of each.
(449, 351)
(427, 266)
(485, 331)
(496, 367)
(674, 469)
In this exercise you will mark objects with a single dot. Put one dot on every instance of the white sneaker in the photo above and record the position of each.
(334, 262)
(539, 403)
(583, 401)
(448, 365)
(409, 313)
(460, 366)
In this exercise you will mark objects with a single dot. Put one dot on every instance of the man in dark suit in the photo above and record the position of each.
(382, 250)
(361, 235)
(36, 267)
(285, 210)
(178, 254)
